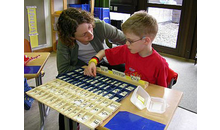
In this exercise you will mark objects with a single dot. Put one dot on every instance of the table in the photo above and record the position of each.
(172, 98)
(40, 62)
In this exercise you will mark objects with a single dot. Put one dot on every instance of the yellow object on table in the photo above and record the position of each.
(74, 102)
(140, 98)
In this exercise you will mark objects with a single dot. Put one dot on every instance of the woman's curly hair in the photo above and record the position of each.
(68, 22)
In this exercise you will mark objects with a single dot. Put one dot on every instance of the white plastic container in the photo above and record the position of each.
(141, 99)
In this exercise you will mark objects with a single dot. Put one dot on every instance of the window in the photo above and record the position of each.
(168, 26)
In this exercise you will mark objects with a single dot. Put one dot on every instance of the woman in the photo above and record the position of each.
(81, 36)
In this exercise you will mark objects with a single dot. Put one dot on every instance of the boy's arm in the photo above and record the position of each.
(100, 54)
(90, 70)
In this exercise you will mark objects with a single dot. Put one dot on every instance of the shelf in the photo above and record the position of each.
(56, 15)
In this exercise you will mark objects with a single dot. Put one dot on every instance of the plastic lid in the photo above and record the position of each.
(141, 99)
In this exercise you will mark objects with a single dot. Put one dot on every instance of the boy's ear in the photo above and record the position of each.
(147, 40)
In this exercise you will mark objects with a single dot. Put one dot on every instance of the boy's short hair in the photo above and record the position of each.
(141, 24)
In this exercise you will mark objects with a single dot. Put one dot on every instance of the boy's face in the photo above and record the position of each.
(84, 33)
(134, 43)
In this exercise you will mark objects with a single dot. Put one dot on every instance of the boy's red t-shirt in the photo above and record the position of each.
(152, 68)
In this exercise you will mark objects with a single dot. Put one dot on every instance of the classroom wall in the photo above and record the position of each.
(40, 20)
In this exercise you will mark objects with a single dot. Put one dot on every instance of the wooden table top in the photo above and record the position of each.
(40, 61)
(172, 97)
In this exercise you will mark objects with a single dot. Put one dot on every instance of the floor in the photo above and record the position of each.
(186, 82)
(183, 118)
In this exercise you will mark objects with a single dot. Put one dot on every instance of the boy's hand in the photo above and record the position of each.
(90, 70)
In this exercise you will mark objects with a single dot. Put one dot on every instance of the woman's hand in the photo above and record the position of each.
(90, 70)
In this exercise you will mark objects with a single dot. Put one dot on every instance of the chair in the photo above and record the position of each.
(172, 78)
(27, 48)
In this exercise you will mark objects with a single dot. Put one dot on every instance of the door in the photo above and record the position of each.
(167, 13)
(175, 20)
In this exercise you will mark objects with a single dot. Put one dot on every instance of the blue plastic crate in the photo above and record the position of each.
(102, 14)
(81, 6)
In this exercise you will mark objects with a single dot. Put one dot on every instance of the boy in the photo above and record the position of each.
(138, 55)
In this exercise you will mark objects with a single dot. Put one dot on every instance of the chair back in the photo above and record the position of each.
(27, 46)
(172, 78)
